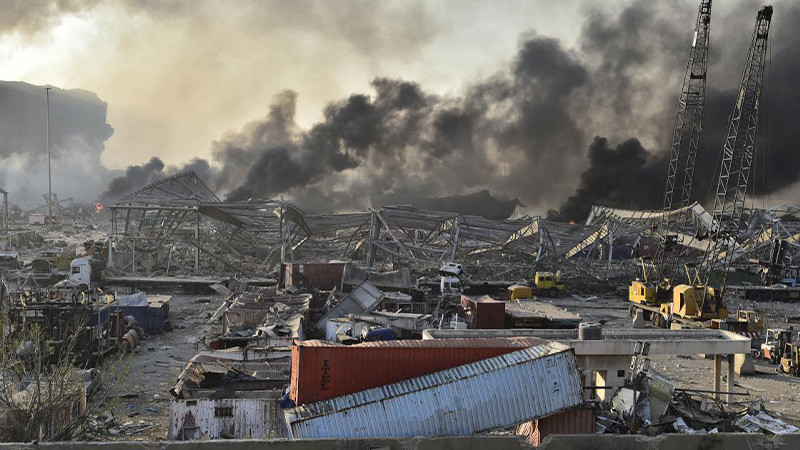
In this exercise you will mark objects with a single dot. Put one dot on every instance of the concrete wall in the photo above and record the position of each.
(446, 443)
(718, 441)
(603, 370)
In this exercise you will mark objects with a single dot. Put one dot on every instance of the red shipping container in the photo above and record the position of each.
(574, 421)
(322, 370)
(484, 312)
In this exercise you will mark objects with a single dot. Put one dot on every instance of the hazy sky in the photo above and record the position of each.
(180, 74)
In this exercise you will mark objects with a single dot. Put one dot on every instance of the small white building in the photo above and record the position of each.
(37, 219)
(226, 398)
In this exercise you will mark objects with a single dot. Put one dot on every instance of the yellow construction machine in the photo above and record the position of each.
(544, 284)
(697, 300)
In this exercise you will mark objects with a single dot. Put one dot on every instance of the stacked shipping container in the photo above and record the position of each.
(496, 392)
(323, 370)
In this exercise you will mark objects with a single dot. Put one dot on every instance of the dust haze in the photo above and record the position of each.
(565, 121)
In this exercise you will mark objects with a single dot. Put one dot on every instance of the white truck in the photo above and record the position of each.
(83, 272)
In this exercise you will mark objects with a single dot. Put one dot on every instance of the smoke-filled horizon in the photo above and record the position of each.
(521, 132)
(560, 125)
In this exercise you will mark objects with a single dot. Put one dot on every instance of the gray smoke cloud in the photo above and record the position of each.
(522, 131)
(408, 143)
(78, 132)
(30, 17)
(630, 176)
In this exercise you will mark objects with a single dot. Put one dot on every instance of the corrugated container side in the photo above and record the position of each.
(155, 319)
(471, 398)
(256, 418)
(490, 315)
(322, 370)
(484, 311)
(574, 421)
(140, 313)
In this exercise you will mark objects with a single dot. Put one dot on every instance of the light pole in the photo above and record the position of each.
(49, 173)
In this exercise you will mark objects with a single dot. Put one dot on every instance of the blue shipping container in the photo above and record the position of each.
(155, 319)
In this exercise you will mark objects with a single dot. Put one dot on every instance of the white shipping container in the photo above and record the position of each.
(495, 392)
(243, 418)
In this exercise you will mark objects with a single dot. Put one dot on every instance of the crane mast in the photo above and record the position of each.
(689, 119)
(686, 133)
(737, 153)
(662, 302)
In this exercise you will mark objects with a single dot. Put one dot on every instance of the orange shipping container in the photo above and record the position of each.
(322, 370)
(574, 421)
(484, 312)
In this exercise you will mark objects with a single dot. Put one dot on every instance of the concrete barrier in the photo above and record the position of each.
(716, 441)
(443, 443)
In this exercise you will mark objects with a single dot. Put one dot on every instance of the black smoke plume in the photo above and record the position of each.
(523, 131)
(617, 176)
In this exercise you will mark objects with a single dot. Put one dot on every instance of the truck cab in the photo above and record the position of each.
(84, 271)
(548, 283)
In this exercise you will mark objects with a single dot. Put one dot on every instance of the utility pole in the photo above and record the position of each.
(49, 172)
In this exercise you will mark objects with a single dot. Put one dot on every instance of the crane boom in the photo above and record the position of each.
(738, 151)
(689, 118)
(686, 133)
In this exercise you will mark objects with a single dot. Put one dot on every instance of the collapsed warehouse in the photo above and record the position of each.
(359, 279)
(178, 226)
(401, 321)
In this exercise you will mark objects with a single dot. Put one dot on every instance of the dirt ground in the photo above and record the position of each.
(154, 368)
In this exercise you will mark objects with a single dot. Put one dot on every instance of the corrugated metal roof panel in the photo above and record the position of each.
(322, 371)
(495, 392)
(521, 342)
(363, 298)
(324, 276)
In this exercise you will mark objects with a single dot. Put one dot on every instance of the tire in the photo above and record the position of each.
(553, 292)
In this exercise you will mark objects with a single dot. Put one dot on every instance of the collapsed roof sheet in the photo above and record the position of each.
(182, 189)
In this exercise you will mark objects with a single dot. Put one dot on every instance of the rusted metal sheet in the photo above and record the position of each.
(484, 312)
(323, 276)
(574, 421)
(495, 392)
(323, 370)
(251, 317)
(244, 418)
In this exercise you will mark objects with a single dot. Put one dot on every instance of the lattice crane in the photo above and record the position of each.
(737, 154)
(685, 142)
